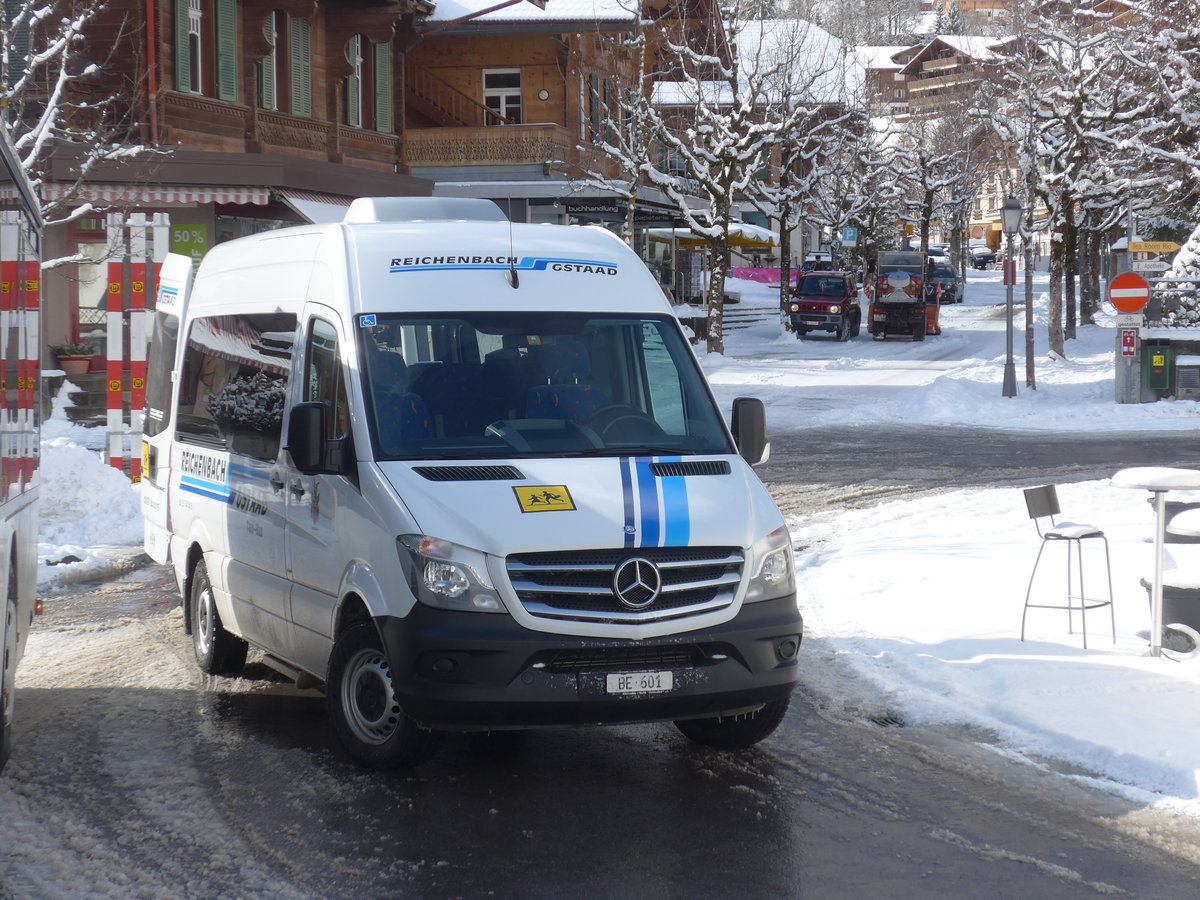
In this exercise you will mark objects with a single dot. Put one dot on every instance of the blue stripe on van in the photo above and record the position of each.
(627, 495)
(677, 521)
(206, 489)
(648, 497)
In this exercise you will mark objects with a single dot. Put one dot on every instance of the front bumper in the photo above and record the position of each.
(476, 671)
(815, 321)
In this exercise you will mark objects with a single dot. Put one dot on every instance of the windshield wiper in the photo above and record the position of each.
(642, 450)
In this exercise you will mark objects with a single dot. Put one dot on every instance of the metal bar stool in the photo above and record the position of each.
(1042, 502)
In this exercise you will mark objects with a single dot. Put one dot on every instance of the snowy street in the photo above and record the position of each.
(925, 734)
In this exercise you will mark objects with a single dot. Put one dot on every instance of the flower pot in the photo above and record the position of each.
(75, 365)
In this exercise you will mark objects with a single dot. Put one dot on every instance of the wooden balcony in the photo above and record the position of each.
(498, 145)
(203, 123)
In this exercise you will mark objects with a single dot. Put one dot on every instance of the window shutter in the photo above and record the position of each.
(354, 82)
(267, 93)
(300, 65)
(18, 39)
(593, 107)
(183, 50)
(227, 50)
(383, 87)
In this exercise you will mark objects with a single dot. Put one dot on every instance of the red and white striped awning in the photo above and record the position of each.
(152, 194)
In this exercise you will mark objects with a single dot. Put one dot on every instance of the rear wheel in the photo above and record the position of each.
(918, 329)
(366, 715)
(735, 732)
(217, 651)
(855, 327)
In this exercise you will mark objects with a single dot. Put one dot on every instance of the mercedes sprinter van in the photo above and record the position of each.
(468, 475)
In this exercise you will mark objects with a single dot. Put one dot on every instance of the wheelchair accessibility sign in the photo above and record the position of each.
(544, 498)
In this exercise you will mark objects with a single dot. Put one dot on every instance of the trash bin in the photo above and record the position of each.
(1156, 363)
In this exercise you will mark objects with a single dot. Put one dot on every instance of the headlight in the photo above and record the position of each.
(834, 310)
(795, 307)
(774, 567)
(447, 575)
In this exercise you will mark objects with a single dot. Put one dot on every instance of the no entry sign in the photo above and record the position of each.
(1129, 292)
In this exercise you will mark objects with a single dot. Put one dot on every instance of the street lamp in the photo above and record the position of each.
(1010, 221)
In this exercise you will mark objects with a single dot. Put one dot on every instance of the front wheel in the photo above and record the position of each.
(366, 715)
(735, 732)
(843, 330)
(217, 651)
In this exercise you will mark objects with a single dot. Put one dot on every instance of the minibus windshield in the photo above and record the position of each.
(516, 384)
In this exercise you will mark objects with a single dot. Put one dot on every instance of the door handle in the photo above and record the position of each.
(277, 483)
(296, 488)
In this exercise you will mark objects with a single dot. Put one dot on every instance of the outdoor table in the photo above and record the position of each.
(1158, 480)
(1186, 524)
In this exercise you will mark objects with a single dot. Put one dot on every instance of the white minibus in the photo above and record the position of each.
(468, 475)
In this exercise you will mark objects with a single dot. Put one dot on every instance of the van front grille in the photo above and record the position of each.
(578, 585)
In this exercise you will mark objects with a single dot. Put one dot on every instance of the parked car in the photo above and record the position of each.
(826, 301)
(982, 257)
(945, 280)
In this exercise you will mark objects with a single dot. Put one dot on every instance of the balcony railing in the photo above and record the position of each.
(238, 128)
(504, 145)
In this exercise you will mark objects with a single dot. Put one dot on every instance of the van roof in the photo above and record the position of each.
(445, 256)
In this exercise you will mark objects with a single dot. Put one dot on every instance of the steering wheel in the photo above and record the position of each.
(622, 422)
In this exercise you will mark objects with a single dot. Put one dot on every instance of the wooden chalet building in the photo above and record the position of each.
(254, 115)
(508, 103)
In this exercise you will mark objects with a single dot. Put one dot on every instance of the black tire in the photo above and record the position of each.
(918, 332)
(363, 709)
(843, 330)
(879, 332)
(735, 732)
(217, 651)
(800, 333)
(855, 326)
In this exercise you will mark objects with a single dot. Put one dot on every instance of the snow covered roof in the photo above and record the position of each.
(818, 64)
(882, 57)
(981, 48)
(741, 234)
(576, 11)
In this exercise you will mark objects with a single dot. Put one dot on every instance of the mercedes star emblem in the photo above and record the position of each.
(637, 582)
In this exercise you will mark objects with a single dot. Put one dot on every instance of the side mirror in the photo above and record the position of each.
(306, 437)
(749, 426)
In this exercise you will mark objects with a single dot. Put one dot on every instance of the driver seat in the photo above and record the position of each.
(563, 396)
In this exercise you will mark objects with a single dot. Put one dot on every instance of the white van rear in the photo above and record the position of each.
(469, 475)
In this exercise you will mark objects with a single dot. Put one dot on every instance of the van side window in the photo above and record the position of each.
(325, 383)
(234, 382)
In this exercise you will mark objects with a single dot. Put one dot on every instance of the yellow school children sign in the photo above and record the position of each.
(544, 498)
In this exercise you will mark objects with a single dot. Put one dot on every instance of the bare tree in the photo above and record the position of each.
(817, 101)
(47, 97)
(711, 123)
